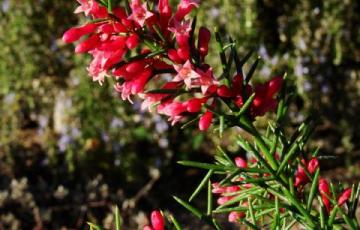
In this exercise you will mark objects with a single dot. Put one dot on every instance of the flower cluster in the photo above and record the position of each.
(151, 52)
(303, 175)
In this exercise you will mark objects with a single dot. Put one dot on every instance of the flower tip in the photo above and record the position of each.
(157, 220)
(205, 121)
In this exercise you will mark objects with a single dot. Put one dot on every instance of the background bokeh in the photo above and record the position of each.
(70, 150)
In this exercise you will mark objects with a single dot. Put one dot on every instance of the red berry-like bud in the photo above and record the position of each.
(224, 91)
(274, 86)
(157, 220)
(132, 41)
(345, 196)
(194, 105)
(205, 121)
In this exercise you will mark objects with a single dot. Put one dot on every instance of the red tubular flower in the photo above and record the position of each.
(184, 8)
(300, 177)
(91, 7)
(157, 220)
(325, 193)
(264, 94)
(203, 42)
(205, 121)
(345, 196)
(89, 44)
(76, 33)
(165, 13)
(139, 13)
(134, 86)
(174, 56)
(136, 66)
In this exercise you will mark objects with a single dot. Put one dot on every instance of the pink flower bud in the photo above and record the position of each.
(157, 220)
(205, 121)
(132, 41)
(345, 196)
(203, 42)
(147, 227)
(76, 33)
(235, 216)
(240, 162)
(222, 200)
(313, 165)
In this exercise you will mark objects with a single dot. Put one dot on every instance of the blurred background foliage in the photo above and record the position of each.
(70, 149)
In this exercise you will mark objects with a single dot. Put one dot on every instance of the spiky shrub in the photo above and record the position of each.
(150, 51)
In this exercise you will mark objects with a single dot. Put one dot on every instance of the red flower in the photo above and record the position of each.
(313, 165)
(345, 196)
(76, 33)
(325, 193)
(203, 42)
(205, 121)
(91, 7)
(185, 7)
(140, 12)
(89, 44)
(157, 221)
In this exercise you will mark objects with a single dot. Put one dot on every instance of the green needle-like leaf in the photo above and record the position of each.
(201, 185)
(95, 227)
(117, 219)
(313, 189)
(175, 222)
(245, 108)
(251, 72)
(209, 199)
(251, 211)
(202, 165)
(189, 207)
